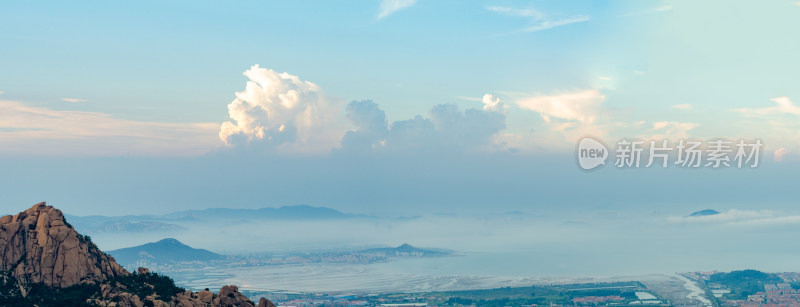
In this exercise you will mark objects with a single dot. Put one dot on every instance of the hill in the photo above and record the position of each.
(706, 212)
(164, 251)
(745, 282)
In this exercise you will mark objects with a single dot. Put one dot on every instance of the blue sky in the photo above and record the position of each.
(104, 85)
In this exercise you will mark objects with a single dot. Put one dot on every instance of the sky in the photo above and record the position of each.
(392, 106)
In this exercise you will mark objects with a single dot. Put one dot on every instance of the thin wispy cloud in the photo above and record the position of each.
(42, 131)
(785, 106)
(73, 100)
(539, 20)
(389, 7)
(658, 9)
(549, 24)
(682, 106)
(735, 217)
(668, 130)
(515, 12)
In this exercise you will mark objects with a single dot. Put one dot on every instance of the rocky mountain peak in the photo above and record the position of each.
(39, 246)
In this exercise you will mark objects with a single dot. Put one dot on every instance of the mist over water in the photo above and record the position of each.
(497, 249)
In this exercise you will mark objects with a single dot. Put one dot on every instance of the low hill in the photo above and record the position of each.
(164, 251)
(706, 212)
(745, 282)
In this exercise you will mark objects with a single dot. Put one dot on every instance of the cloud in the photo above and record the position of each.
(785, 106)
(539, 20)
(388, 7)
(572, 114)
(735, 217)
(657, 9)
(516, 12)
(1, 93)
(371, 126)
(41, 131)
(492, 103)
(580, 106)
(578, 113)
(548, 24)
(446, 129)
(732, 215)
(779, 154)
(683, 106)
(73, 100)
(280, 111)
(666, 130)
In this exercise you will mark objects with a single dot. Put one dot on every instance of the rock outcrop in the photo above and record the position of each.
(38, 246)
(227, 296)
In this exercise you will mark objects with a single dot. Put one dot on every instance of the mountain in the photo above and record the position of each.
(705, 212)
(122, 224)
(164, 251)
(171, 223)
(45, 262)
(39, 246)
(405, 250)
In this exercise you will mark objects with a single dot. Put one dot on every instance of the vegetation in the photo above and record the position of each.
(540, 295)
(148, 284)
(744, 283)
(39, 294)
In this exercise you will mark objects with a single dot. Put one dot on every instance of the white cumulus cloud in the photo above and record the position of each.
(447, 129)
(492, 103)
(779, 154)
(580, 106)
(278, 109)
(571, 114)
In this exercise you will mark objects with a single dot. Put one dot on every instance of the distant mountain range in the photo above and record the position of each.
(299, 212)
(406, 250)
(116, 224)
(162, 252)
(171, 222)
